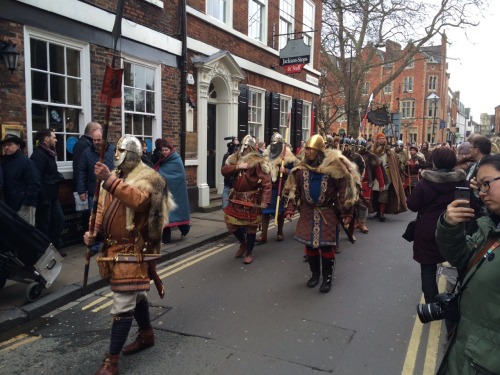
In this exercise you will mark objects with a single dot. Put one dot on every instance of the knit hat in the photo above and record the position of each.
(380, 135)
(463, 148)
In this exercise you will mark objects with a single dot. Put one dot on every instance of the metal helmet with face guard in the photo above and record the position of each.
(248, 142)
(128, 152)
(277, 144)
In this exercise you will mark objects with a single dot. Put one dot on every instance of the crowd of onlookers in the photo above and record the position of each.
(30, 185)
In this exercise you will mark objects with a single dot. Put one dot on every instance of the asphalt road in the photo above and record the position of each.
(222, 317)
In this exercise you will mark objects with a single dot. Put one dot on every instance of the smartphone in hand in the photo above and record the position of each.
(463, 193)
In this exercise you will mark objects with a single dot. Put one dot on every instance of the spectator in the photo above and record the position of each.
(146, 156)
(21, 179)
(480, 147)
(156, 155)
(429, 199)
(84, 142)
(49, 215)
(85, 176)
(464, 159)
(475, 339)
(171, 168)
(232, 147)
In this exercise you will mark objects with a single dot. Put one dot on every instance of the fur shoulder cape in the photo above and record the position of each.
(275, 163)
(252, 159)
(336, 166)
(147, 179)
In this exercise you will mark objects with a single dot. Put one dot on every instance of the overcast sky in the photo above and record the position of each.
(474, 64)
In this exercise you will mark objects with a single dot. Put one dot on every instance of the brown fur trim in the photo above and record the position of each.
(336, 166)
(147, 179)
(275, 163)
(252, 159)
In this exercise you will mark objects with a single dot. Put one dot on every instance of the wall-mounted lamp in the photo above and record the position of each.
(191, 104)
(10, 55)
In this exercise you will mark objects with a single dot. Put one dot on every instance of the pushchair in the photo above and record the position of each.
(26, 255)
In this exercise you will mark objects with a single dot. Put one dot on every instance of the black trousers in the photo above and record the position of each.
(429, 281)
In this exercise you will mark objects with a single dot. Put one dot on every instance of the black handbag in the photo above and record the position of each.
(409, 234)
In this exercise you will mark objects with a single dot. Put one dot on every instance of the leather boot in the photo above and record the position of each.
(328, 266)
(281, 222)
(362, 227)
(314, 265)
(265, 225)
(109, 365)
(241, 236)
(250, 245)
(382, 213)
(145, 339)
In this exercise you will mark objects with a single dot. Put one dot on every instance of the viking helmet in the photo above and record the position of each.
(248, 141)
(317, 144)
(128, 152)
(277, 144)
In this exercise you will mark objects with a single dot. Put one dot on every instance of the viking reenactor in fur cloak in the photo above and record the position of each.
(252, 191)
(275, 153)
(132, 210)
(373, 172)
(323, 179)
(391, 198)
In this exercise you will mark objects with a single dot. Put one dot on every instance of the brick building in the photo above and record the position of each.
(424, 118)
(234, 85)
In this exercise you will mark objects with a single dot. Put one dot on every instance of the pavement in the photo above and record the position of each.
(15, 309)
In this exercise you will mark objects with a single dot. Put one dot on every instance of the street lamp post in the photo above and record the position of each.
(434, 98)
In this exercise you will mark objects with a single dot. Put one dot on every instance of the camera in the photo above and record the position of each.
(445, 305)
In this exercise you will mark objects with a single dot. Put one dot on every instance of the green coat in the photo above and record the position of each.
(475, 346)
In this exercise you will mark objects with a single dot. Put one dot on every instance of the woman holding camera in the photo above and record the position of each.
(429, 198)
(475, 345)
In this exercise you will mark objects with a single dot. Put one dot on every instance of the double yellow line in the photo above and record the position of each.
(432, 347)
(17, 341)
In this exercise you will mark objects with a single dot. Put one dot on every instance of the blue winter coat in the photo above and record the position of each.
(172, 169)
(85, 176)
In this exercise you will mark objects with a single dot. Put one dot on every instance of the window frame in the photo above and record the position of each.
(284, 114)
(85, 107)
(433, 83)
(228, 11)
(408, 108)
(156, 115)
(408, 84)
(289, 19)
(310, 35)
(263, 22)
(306, 120)
(252, 125)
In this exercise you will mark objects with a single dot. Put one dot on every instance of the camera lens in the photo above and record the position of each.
(429, 312)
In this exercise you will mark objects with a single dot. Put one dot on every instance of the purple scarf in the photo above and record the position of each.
(49, 151)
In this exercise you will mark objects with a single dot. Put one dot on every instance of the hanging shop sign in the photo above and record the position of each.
(295, 52)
